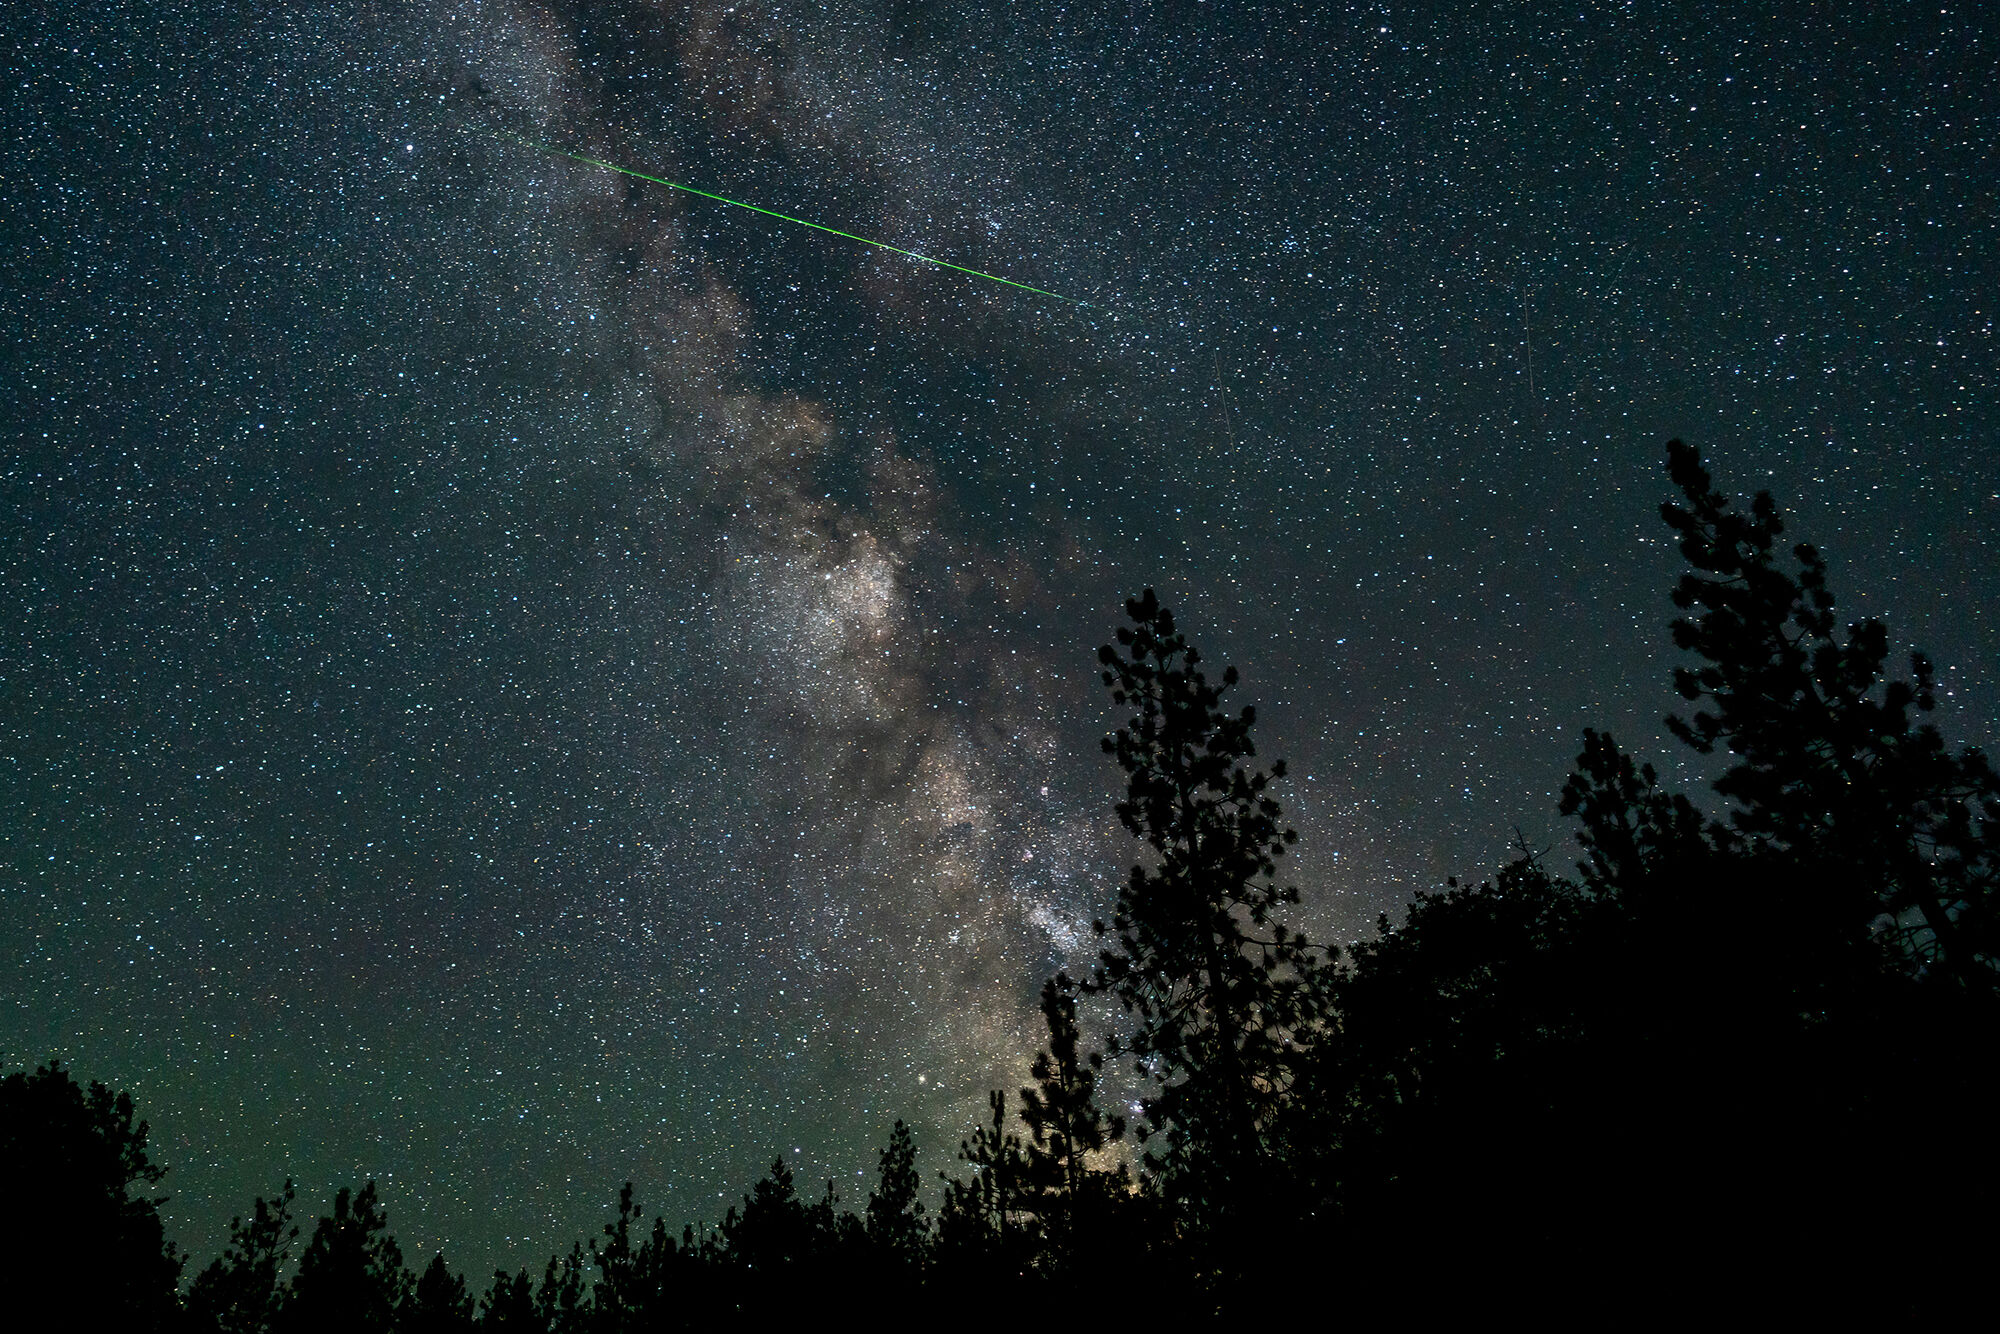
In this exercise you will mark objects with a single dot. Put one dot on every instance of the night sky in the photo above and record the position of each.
(514, 679)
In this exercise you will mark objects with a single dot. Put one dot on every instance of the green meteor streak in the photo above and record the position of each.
(786, 217)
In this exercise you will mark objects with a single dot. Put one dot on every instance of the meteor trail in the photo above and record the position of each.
(786, 217)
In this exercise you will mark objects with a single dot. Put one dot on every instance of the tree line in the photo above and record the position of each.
(1741, 1058)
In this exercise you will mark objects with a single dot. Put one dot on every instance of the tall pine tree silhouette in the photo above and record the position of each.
(986, 1237)
(1831, 766)
(650, 1280)
(240, 1292)
(439, 1304)
(351, 1278)
(895, 1214)
(74, 1229)
(1065, 1125)
(984, 1213)
(509, 1305)
(773, 1230)
(1710, 1038)
(1219, 990)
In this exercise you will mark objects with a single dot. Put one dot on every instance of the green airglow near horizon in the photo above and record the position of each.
(786, 217)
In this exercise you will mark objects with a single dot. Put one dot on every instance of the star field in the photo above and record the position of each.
(517, 679)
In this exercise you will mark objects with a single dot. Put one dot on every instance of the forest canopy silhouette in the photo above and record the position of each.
(1741, 1055)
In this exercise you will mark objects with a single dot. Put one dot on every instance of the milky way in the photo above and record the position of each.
(519, 679)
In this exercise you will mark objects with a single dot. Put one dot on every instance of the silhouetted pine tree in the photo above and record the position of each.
(1220, 990)
(838, 1238)
(1630, 829)
(654, 1283)
(1066, 1126)
(982, 1236)
(1685, 1074)
(351, 1278)
(772, 1232)
(776, 1235)
(439, 1304)
(895, 1215)
(1831, 765)
(240, 1292)
(73, 1231)
(509, 1306)
(562, 1301)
